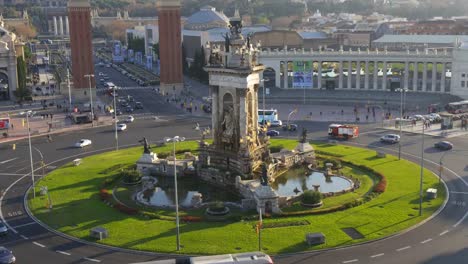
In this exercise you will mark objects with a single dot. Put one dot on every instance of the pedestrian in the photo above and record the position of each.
(51, 116)
(320, 113)
(342, 112)
(12, 127)
(367, 118)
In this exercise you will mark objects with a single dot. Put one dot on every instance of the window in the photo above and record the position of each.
(463, 75)
(462, 83)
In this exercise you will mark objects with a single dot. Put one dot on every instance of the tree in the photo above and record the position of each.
(156, 49)
(22, 92)
(117, 30)
(137, 44)
(184, 60)
(24, 31)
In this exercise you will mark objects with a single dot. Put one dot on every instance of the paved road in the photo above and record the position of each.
(444, 235)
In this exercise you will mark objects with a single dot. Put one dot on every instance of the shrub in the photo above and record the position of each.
(311, 197)
(217, 207)
(104, 194)
(285, 223)
(336, 163)
(189, 218)
(125, 209)
(275, 149)
(130, 176)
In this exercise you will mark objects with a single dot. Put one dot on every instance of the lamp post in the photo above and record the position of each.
(30, 154)
(69, 90)
(263, 99)
(422, 171)
(174, 140)
(89, 76)
(401, 90)
(115, 121)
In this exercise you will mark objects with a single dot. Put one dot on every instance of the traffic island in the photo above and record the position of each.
(75, 193)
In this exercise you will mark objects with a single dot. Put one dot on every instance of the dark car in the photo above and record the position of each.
(129, 109)
(273, 133)
(138, 105)
(6, 256)
(290, 127)
(3, 229)
(444, 145)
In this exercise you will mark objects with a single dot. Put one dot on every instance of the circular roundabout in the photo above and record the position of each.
(383, 201)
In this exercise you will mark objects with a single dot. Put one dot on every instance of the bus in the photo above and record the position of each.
(457, 107)
(4, 123)
(267, 115)
(239, 258)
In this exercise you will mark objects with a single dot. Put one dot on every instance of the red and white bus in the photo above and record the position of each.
(4, 123)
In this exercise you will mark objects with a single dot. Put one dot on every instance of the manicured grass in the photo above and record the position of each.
(77, 209)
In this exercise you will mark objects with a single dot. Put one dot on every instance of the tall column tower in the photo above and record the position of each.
(170, 46)
(79, 17)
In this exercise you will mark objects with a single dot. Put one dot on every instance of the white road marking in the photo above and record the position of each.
(90, 259)
(24, 237)
(459, 192)
(403, 248)
(377, 255)
(38, 244)
(63, 252)
(32, 223)
(6, 161)
(461, 220)
(427, 240)
(11, 174)
(443, 233)
(350, 261)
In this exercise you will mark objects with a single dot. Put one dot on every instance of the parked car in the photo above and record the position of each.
(6, 256)
(273, 133)
(443, 145)
(129, 109)
(83, 143)
(417, 117)
(124, 103)
(390, 138)
(130, 119)
(121, 127)
(276, 123)
(290, 127)
(436, 117)
(3, 229)
(138, 105)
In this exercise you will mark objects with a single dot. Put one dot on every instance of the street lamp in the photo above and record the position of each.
(263, 100)
(115, 121)
(422, 170)
(30, 154)
(401, 90)
(174, 140)
(89, 76)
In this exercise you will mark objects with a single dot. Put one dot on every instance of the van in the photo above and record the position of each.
(241, 258)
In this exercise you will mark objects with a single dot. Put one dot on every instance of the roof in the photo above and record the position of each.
(205, 16)
(423, 39)
(312, 35)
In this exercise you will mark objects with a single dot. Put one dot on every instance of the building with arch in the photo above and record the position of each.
(443, 71)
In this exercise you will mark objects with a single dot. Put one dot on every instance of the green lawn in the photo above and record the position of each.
(77, 209)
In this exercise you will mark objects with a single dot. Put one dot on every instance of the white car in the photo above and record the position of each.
(276, 123)
(390, 138)
(83, 143)
(121, 127)
(130, 119)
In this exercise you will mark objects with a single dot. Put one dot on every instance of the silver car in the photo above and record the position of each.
(6, 256)
(390, 138)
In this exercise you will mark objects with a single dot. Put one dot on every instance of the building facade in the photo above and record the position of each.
(81, 45)
(10, 49)
(170, 47)
(430, 70)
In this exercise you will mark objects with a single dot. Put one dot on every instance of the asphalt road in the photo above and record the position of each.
(440, 240)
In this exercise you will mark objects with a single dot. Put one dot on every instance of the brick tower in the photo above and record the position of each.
(170, 46)
(79, 17)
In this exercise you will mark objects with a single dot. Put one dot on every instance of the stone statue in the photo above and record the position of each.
(227, 42)
(228, 125)
(264, 178)
(146, 146)
(303, 138)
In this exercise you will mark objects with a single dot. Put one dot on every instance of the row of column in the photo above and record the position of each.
(406, 77)
(61, 28)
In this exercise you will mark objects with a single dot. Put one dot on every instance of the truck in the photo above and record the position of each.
(343, 131)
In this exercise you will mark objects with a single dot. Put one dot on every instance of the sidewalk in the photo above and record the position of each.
(42, 126)
(434, 130)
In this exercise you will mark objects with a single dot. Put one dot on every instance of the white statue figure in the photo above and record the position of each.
(228, 124)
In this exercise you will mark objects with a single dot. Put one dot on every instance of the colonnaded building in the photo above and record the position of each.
(443, 71)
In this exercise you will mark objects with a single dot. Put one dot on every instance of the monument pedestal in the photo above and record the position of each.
(146, 161)
(267, 200)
